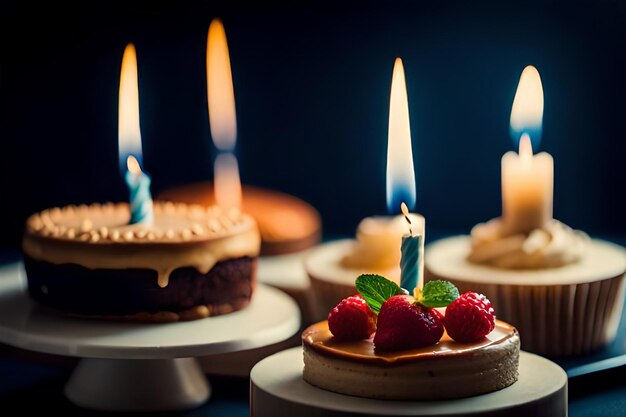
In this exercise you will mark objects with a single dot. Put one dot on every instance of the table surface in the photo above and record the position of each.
(32, 382)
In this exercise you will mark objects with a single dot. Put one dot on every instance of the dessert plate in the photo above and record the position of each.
(140, 366)
(277, 388)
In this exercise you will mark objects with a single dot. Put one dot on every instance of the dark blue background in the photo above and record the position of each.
(312, 84)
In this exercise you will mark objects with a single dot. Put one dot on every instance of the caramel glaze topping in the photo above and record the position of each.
(108, 223)
(319, 337)
(99, 236)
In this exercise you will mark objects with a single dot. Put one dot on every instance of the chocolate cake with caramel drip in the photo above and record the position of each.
(193, 262)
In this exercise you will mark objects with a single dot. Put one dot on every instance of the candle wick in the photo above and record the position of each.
(405, 212)
(409, 221)
(525, 147)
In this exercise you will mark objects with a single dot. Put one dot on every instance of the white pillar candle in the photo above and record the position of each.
(527, 189)
(527, 179)
(377, 241)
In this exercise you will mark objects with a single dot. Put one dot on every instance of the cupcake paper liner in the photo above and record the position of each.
(558, 320)
(567, 311)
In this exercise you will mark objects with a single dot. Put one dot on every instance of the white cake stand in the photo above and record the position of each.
(277, 388)
(285, 272)
(135, 366)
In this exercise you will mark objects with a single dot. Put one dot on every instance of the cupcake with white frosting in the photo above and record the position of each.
(562, 290)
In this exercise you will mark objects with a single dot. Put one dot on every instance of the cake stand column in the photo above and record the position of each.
(138, 384)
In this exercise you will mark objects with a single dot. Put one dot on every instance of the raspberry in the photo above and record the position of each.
(405, 325)
(469, 318)
(352, 319)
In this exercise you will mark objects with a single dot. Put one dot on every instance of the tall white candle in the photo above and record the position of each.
(527, 189)
(527, 179)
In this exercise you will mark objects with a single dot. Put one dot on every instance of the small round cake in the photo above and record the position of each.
(193, 262)
(563, 291)
(445, 370)
(333, 265)
(287, 224)
(332, 279)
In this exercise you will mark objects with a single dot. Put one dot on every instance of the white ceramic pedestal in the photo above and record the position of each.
(138, 385)
(287, 273)
(136, 366)
(277, 388)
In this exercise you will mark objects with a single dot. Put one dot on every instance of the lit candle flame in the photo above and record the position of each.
(129, 134)
(400, 171)
(527, 110)
(221, 97)
(525, 150)
(133, 165)
(227, 184)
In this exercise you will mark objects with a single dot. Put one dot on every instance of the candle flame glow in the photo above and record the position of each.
(129, 134)
(133, 165)
(527, 110)
(227, 184)
(400, 170)
(221, 96)
(525, 150)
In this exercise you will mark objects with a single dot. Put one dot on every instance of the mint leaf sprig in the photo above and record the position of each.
(376, 289)
(437, 293)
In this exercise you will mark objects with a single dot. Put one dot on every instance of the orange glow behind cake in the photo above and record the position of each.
(287, 224)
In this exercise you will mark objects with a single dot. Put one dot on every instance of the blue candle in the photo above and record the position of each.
(412, 260)
(141, 208)
(409, 263)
